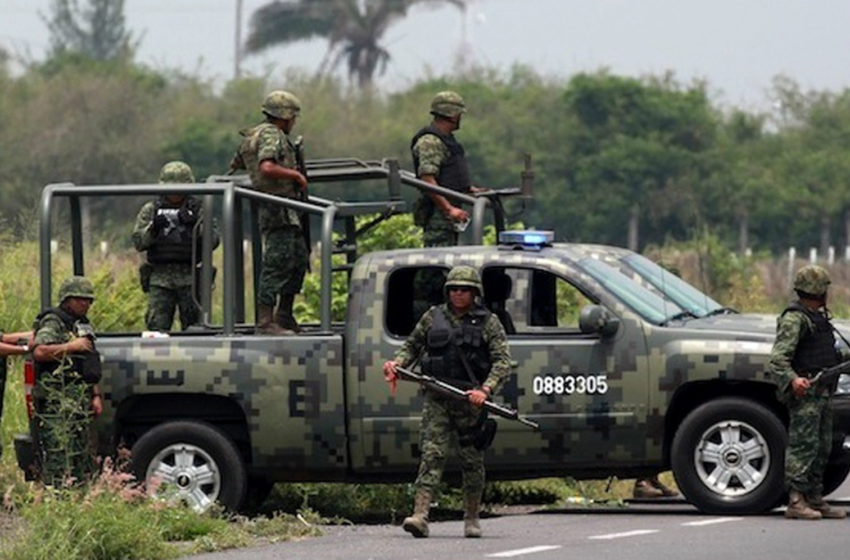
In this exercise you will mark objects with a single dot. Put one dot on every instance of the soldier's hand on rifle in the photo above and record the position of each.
(799, 386)
(160, 222)
(80, 345)
(391, 375)
(302, 181)
(477, 396)
(186, 216)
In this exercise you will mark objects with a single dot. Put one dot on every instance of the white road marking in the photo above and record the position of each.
(711, 521)
(626, 534)
(521, 551)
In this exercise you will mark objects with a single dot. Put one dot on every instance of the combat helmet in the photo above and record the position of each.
(448, 104)
(76, 286)
(464, 276)
(176, 172)
(281, 104)
(812, 280)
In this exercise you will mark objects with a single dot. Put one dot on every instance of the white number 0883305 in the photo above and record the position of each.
(570, 384)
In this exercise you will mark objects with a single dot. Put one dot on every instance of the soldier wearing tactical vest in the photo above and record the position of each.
(268, 154)
(165, 229)
(462, 343)
(439, 159)
(67, 395)
(805, 344)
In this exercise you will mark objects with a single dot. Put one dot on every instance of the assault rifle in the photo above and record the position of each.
(828, 376)
(301, 164)
(453, 392)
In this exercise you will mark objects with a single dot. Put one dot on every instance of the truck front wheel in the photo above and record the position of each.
(193, 462)
(728, 457)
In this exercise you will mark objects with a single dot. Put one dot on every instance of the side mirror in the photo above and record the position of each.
(595, 319)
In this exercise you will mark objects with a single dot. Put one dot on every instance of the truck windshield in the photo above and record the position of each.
(645, 303)
(673, 287)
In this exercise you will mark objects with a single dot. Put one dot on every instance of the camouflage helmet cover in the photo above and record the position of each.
(464, 276)
(448, 104)
(812, 279)
(176, 172)
(281, 104)
(76, 286)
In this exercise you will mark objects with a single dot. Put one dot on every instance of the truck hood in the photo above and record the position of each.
(751, 323)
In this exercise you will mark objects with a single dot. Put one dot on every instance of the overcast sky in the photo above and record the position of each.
(738, 46)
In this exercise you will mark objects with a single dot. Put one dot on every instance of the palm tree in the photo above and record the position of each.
(353, 29)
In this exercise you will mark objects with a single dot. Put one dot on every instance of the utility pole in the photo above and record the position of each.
(237, 50)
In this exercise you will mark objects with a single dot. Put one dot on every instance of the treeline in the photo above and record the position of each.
(623, 160)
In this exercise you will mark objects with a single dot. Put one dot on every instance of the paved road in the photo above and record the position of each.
(641, 531)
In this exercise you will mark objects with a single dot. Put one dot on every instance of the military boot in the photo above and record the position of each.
(471, 526)
(666, 491)
(417, 524)
(818, 504)
(798, 508)
(285, 318)
(266, 323)
(644, 489)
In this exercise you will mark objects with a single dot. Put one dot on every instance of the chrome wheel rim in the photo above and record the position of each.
(732, 458)
(186, 473)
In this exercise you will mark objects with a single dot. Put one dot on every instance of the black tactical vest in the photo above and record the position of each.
(174, 244)
(85, 366)
(445, 343)
(454, 173)
(816, 350)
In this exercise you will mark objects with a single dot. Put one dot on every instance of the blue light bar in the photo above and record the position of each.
(526, 238)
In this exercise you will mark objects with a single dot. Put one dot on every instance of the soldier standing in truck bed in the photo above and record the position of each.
(269, 156)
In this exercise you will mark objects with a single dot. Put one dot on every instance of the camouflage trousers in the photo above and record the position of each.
(62, 423)
(439, 231)
(284, 264)
(809, 442)
(442, 419)
(162, 304)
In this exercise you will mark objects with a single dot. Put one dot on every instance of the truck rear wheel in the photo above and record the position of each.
(728, 457)
(192, 461)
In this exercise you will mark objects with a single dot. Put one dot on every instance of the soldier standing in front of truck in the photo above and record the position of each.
(805, 344)
(268, 155)
(164, 231)
(463, 343)
(67, 395)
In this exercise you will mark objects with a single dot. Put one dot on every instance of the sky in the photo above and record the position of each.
(737, 46)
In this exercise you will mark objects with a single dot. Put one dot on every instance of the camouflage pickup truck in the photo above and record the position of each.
(627, 369)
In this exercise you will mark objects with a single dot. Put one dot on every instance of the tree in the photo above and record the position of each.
(96, 31)
(353, 29)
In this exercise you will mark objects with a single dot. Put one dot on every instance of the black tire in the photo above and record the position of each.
(742, 474)
(834, 476)
(211, 469)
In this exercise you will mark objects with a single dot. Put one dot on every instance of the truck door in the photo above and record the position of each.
(587, 392)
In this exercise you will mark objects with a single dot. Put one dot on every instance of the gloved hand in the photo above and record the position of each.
(160, 222)
(186, 216)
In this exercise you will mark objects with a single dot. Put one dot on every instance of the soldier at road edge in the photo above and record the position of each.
(805, 344)
(462, 343)
(67, 395)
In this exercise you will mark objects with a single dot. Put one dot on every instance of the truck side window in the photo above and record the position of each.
(531, 301)
(411, 292)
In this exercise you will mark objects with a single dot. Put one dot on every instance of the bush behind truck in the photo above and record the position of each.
(650, 375)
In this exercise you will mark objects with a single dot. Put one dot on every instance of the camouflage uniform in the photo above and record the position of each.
(441, 156)
(167, 275)
(63, 397)
(810, 415)
(285, 256)
(444, 419)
